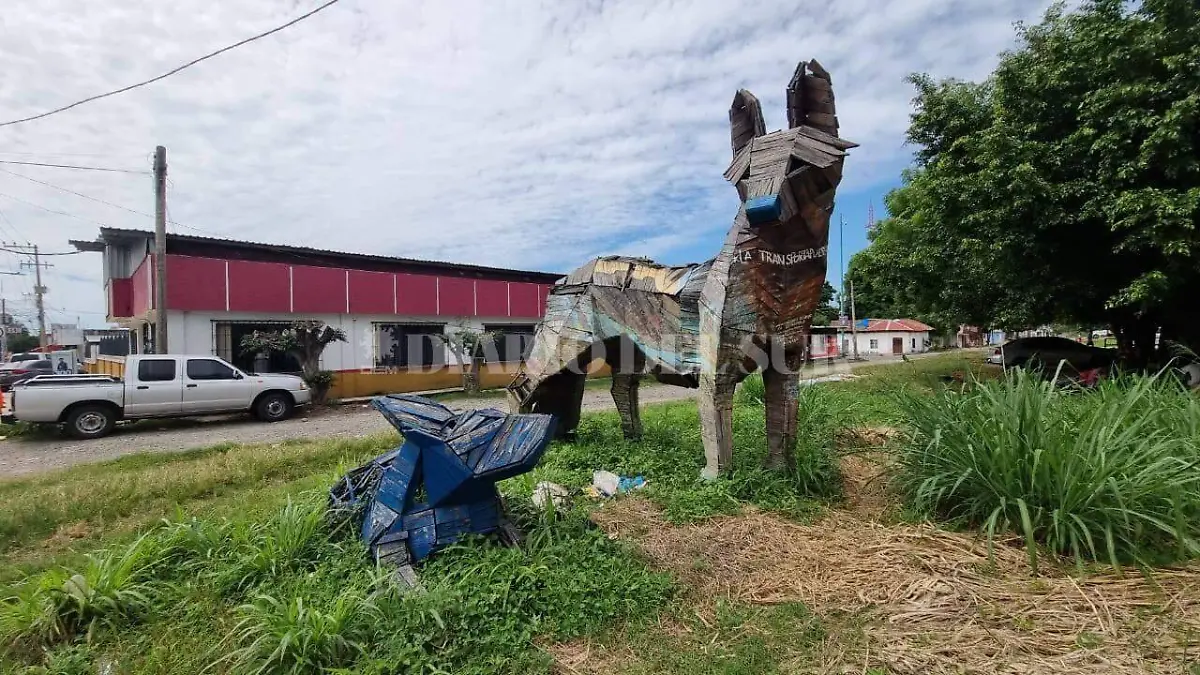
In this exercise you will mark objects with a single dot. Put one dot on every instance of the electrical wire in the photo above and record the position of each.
(12, 229)
(77, 194)
(40, 254)
(60, 213)
(169, 73)
(107, 203)
(74, 166)
(54, 154)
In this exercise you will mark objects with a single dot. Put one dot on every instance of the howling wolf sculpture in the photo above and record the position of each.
(709, 325)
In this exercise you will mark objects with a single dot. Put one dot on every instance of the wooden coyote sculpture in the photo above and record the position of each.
(709, 325)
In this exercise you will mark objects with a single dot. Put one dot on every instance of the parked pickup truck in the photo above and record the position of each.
(154, 386)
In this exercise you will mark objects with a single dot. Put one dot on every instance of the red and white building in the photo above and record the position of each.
(888, 336)
(390, 308)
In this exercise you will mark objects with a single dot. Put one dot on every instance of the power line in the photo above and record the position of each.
(55, 154)
(60, 213)
(105, 202)
(9, 250)
(12, 229)
(74, 166)
(169, 73)
(77, 194)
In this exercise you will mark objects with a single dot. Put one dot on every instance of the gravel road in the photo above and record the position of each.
(25, 455)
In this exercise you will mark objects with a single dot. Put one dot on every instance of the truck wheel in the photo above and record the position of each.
(91, 421)
(274, 407)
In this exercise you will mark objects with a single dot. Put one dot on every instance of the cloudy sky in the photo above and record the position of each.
(525, 134)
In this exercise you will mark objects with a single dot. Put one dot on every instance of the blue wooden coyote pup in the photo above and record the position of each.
(440, 485)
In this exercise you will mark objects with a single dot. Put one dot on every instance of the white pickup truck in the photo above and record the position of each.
(154, 386)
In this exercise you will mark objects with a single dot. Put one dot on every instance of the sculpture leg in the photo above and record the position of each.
(562, 395)
(716, 423)
(625, 397)
(782, 390)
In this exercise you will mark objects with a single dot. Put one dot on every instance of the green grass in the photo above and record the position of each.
(736, 640)
(671, 454)
(247, 574)
(1110, 474)
(148, 487)
(289, 595)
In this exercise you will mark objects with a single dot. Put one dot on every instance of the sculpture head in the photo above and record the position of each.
(787, 173)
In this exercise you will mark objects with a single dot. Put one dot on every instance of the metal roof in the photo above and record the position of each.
(116, 233)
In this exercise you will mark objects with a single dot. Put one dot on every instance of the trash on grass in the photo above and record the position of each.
(607, 483)
(552, 493)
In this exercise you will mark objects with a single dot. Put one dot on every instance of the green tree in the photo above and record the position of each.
(826, 312)
(22, 342)
(1064, 188)
(305, 340)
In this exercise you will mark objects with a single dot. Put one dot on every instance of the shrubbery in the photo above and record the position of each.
(1111, 474)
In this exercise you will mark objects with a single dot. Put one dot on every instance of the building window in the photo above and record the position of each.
(406, 345)
(874, 343)
(914, 343)
(209, 369)
(227, 344)
(156, 370)
(509, 343)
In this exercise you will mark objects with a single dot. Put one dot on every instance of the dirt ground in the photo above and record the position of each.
(37, 453)
(929, 600)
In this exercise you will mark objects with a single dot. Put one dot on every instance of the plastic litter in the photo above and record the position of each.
(607, 483)
(554, 494)
(628, 484)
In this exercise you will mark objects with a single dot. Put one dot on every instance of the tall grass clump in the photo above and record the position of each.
(113, 588)
(1111, 474)
(289, 636)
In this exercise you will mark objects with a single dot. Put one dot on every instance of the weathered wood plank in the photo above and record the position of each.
(835, 141)
(819, 146)
(813, 157)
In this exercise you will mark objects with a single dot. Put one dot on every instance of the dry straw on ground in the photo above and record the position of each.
(938, 602)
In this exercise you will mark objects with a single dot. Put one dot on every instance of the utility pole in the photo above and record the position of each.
(853, 320)
(842, 272)
(39, 291)
(160, 250)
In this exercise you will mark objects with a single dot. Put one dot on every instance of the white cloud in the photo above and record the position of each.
(512, 133)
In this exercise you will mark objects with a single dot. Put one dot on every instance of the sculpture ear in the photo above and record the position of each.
(745, 120)
(810, 99)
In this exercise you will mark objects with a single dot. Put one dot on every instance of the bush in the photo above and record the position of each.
(1109, 474)
(288, 636)
(320, 382)
(114, 587)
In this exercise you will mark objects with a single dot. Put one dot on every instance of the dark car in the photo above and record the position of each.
(12, 373)
(1049, 352)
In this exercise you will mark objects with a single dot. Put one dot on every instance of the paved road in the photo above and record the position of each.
(39, 453)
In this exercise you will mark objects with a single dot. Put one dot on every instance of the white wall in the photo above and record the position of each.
(883, 342)
(193, 333)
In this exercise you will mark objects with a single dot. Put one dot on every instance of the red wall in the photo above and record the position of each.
(456, 296)
(141, 287)
(319, 290)
(120, 297)
(491, 297)
(195, 283)
(258, 287)
(416, 294)
(372, 292)
(527, 300)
